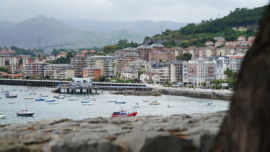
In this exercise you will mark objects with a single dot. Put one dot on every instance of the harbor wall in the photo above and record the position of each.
(195, 94)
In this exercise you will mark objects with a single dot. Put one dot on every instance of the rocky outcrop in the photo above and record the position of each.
(176, 133)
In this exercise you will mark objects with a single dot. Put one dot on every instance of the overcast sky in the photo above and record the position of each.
(123, 10)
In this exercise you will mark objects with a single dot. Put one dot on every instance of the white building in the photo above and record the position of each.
(59, 71)
(235, 62)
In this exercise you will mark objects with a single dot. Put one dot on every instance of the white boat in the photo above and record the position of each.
(2, 116)
(146, 101)
(85, 100)
(154, 103)
(25, 112)
(55, 102)
(9, 95)
(92, 98)
(61, 97)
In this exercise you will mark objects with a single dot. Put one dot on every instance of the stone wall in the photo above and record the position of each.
(177, 133)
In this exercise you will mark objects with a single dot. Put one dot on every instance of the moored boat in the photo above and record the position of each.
(2, 116)
(9, 95)
(28, 97)
(154, 103)
(85, 100)
(120, 102)
(124, 114)
(40, 99)
(51, 100)
(25, 113)
(88, 104)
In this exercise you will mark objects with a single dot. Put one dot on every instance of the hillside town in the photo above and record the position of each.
(147, 63)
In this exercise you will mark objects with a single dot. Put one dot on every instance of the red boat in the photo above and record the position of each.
(124, 114)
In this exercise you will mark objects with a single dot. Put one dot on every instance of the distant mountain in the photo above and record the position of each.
(198, 34)
(146, 28)
(4, 25)
(48, 33)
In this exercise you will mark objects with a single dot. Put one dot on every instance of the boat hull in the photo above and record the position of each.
(133, 114)
(28, 114)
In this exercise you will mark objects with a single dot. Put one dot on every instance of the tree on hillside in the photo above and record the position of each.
(3, 69)
(184, 57)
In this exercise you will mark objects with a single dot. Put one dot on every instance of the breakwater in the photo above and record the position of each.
(191, 133)
(195, 93)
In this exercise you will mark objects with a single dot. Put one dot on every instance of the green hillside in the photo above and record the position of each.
(198, 34)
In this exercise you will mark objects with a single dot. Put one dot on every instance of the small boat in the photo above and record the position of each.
(88, 104)
(120, 102)
(52, 100)
(210, 104)
(123, 114)
(86, 100)
(112, 100)
(92, 98)
(28, 97)
(154, 103)
(2, 116)
(61, 97)
(72, 99)
(169, 105)
(40, 99)
(146, 101)
(11, 102)
(25, 113)
(9, 95)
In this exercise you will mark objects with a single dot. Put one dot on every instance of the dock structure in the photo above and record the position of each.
(121, 86)
(37, 83)
(77, 86)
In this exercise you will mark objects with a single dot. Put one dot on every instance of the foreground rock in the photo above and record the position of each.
(177, 133)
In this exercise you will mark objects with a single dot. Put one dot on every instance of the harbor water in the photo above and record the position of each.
(103, 106)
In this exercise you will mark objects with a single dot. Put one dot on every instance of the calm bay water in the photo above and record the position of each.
(100, 108)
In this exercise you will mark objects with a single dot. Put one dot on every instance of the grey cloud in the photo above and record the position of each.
(176, 10)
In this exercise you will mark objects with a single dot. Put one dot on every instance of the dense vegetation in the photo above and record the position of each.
(3, 69)
(31, 52)
(184, 57)
(63, 60)
(198, 34)
(121, 44)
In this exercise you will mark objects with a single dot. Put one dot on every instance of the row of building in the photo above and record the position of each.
(148, 63)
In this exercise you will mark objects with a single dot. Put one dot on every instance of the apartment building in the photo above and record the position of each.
(35, 69)
(59, 71)
(78, 63)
